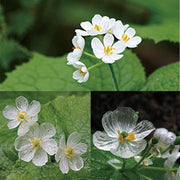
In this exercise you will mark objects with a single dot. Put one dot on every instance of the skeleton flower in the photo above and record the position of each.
(108, 52)
(165, 140)
(126, 36)
(36, 143)
(145, 162)
(24, 115)
(69, 155)
(78, 43)
(99, 25)
(82, 73)
(122, 136)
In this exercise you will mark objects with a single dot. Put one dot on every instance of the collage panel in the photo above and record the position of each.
(135, 135)
(44, 135)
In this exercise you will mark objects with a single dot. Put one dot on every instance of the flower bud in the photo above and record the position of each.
(155, 140)
(177, 141)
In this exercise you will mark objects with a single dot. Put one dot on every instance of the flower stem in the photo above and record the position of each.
(167, 149)
(159, 168)
(88, 54)
(114, 77)
(95, 65)
(124, 163)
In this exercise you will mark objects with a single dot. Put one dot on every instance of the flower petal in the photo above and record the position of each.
(50, 146)
(108, 40)
(80, 148)
(34, 108)
(115, 163)
(12, 124)
(63, 165)
(97, 19)
(122, 119)
(72, 58)
(143, 129)
(23, 129)
(26, 154)
(103, 141)
(86, 25)
(61, 149)
(80, 32)
(129, 148)
(10, 112)
(34, 131)
(21, 143)
(116, 57)
(97, 47)
(119, 47)
(81, 42)
(73, 139)
(47, 130)
(21, 103)
(107, 59)
(130, 32)
(76, 75)
(133, 42)
(76, 163)
(118, 29)
(40, 158)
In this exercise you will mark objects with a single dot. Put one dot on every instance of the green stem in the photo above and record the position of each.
(149, 157)
(159, 168)
(114, 77)
(88, 54)
(167, 149)
(93, 66)
(145, 177)
(124, 163)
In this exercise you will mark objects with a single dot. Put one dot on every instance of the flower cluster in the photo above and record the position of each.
(125, 139)
(34, 141)
(112, 38)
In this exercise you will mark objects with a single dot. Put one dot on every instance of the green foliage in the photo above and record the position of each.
(68, 114)
(164, 79)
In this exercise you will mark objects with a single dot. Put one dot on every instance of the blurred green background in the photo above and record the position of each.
(47, 26)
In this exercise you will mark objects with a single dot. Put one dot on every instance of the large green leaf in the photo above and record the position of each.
(68, 113)
(165, 78)
(53, 74)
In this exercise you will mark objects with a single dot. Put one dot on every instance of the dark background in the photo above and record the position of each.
(161, 108)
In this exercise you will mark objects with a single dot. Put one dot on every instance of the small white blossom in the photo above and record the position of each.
(117, 164)
(108, 52)
(165, 140)
(122, 136)
(78, 43)
(126, 36)
(115, 26)
(69, 155)
(82, 73)
(145, 162)
(25, 115)
(99, 25)
(36, 143)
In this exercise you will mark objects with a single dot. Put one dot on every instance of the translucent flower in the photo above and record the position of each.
(165, 140)
(69, 155)
(78, 43)
(82, 73)
(145, 162)
(123, 137)
(36, 143)
(117, 164)
(99, 25)
(108, 52)
(126, 36)
(24, 115)
(169, 163)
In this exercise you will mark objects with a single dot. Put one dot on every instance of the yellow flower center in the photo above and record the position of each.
(70, 152)
(83, 73)
(97, 27)
(125, 135)
(35, 143)
(108, 50)
(125, 37)
(78, 47)
(21, 116)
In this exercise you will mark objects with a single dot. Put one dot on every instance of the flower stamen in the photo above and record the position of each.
(21, 116)
(83, 73)
(70, 152)
(108, 50)
(125, 135)
(97, 27)
(78, 47)
(35, 143)
(125, 37)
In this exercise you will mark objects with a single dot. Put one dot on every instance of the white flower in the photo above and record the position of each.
(69, 155)
(82, 73)
(99, 25)
(165, 140)
(123, 137)
(78, 43)
(108, 52)
(117, 164)
(145, 162)
(115, 26)
(169, 163)
(36, 143)
(23, 114)
(127, 37)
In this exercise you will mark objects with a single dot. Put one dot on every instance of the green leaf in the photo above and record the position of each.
(53, 74)
(68, 113)
(165, 78)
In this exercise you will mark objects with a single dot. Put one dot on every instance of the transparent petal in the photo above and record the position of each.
(61, 149)
(143, 129)
(63, 165)
(169, 163)
(34, 108)
(103, 141)
(26, 154)
(21, 103)
(115, 163)
(108, 40)
(80, 148)
(73, 139)
(40, 158)
(34, 131)
(50, 146)
(32, 120)
(122, 119)
(47, 130)
(21, 143)
(23, 129)
(12, 124)
(76, 163)
(10, 112)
